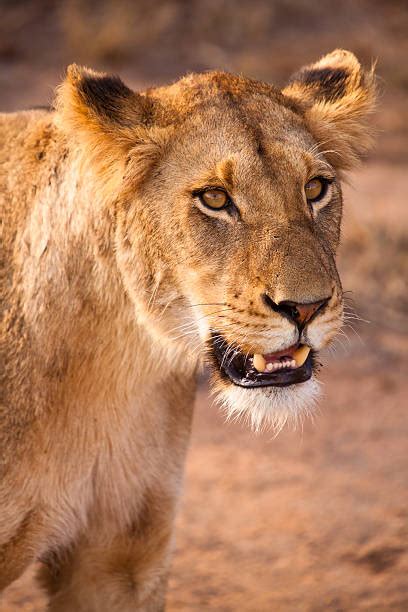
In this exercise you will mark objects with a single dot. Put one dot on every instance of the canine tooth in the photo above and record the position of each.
(293, 364)
(259, 362)
(301, 354)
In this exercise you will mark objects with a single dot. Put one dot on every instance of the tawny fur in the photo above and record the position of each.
(112, 275)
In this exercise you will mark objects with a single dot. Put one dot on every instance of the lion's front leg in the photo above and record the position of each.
(113, 573)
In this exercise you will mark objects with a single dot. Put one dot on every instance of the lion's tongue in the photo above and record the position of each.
(289, 358)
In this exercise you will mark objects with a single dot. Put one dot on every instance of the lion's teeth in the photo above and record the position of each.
(259, 362)
(261, 365)
(301, 354)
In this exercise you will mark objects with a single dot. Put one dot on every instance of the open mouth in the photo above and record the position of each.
(288, 367)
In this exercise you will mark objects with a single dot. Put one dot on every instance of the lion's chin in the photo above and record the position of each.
(269, 408)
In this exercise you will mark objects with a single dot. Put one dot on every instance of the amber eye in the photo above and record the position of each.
(314, 189)
(214, 198)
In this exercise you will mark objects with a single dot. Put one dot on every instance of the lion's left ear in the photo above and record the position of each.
(337, 96)
(101, 107)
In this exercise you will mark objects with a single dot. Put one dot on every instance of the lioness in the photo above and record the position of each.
(141, 234)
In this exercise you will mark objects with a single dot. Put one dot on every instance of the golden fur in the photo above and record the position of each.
(112, 276)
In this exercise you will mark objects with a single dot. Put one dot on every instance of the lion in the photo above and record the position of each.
(143, 234)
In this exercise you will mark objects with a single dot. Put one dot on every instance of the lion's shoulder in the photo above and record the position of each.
(30, 153)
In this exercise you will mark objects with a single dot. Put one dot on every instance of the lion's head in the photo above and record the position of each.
(224, 201)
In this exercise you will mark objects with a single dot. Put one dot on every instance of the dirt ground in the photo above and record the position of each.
(315, 519)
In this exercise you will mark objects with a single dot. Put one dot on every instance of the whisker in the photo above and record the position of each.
(209, 304)
(194, 321)
(153, 296)
(356, 333)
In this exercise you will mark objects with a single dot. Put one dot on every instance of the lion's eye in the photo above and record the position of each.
(315, 189)
(214, 198)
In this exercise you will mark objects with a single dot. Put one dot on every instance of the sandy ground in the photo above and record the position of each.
(315, 519)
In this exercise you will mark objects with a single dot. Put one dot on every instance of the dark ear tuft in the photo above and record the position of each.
(329, 83)
(337, 97)
(106, 95)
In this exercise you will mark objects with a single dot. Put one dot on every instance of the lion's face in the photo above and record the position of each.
(253, 256)
(227, 237)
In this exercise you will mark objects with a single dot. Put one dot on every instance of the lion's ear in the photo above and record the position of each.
(337, 96)
(101, 108)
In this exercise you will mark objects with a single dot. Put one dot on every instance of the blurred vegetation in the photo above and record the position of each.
(162, 38)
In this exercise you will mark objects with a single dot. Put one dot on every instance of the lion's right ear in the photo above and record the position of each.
(338, 97)
(100, 109)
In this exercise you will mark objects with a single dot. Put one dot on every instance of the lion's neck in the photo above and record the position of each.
(87, 337)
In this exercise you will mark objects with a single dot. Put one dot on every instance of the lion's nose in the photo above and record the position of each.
(299, 313)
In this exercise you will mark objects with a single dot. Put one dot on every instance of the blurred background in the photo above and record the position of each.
(315, 519)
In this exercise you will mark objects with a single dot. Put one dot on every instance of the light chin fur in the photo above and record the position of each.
(269, 408)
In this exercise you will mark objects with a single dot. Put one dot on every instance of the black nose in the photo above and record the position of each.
(299, 313)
